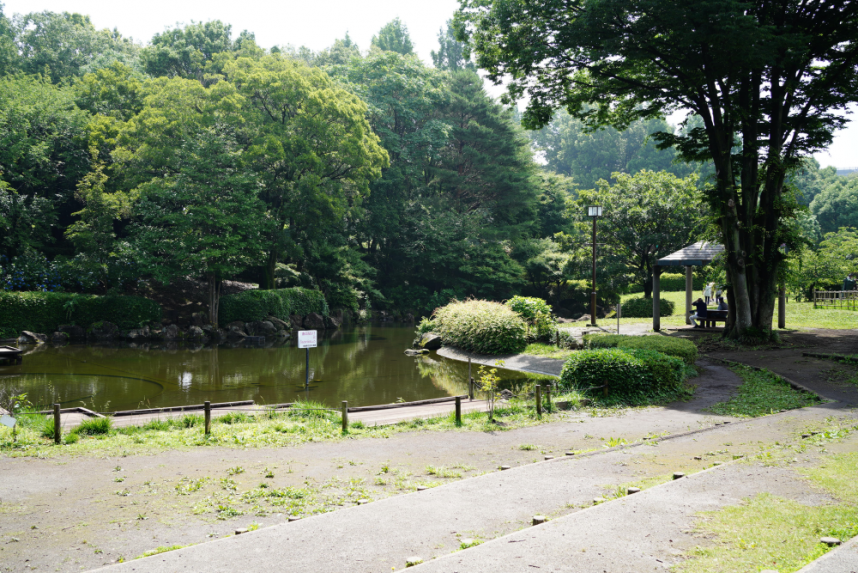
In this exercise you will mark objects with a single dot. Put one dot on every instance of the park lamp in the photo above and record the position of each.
(594, 211)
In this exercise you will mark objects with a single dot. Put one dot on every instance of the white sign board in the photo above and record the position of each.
(7, 421)
(306, 339)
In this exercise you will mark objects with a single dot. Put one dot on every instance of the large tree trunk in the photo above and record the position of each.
(214, 299)
(269, 281)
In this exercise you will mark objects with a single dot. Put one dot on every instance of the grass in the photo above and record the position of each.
(268, 429)
(159, 550)
(760, 394)
(547, 350)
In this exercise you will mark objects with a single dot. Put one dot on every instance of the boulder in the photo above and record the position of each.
(171, 332)
(196, 333)
(28, 337)
(297, 321)
(74, 331)
(332, 323)
(314, 321)
(59, 338)
(234, 333)
(279, 324)
(413, 352)
(199, 318)
(430, 341)
(139, 334)
(236, 324)
(260, 328)
(103, 330)
(283, 333)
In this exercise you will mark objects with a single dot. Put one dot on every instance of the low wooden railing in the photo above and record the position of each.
(839, 299)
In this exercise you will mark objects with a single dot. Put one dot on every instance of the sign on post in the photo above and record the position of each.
(307, 339)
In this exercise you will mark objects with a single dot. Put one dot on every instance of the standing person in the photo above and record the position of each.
(700, 308)
(719, 292)
(707, 292)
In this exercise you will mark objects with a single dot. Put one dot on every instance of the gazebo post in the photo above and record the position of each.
(656, 298)
(689, 289)
(782, 307)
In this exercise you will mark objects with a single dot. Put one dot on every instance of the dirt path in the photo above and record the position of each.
(88, 512)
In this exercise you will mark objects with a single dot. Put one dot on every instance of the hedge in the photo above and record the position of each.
(253, 305)
(45, 311)
(642, 308)
(677, 347)
(626, 371)
(672, 282)
(480, 326)
(536, 313)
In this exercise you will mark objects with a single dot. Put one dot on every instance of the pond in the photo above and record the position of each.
(365, 365)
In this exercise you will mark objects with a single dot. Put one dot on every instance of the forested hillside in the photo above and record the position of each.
(365, 173)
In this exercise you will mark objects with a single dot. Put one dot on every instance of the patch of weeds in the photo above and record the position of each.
(159, 550)
(94, 427)
(235, 471)
(468, 543)
(762, 393)
(442, 472)
(227, 511)
(528, 447)
(158, 425)
(187, 486)
(614, 442)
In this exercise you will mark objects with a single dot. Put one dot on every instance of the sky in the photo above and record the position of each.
(315, 24)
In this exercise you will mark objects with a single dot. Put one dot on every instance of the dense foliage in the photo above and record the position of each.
(642, 307)
(626, 372)
(252, 305)
(676, 347)
(536, 313)
(480, 326)
(45, 311)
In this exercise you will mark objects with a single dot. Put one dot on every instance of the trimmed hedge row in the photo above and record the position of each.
(480, 326)
(45, 311)
(642, 308)
(676, 347)
(625, 371)
(253, 305)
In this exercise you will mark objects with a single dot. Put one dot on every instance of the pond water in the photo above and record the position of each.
(365, 365)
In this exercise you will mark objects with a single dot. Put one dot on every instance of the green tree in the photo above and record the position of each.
(773, 77)
(198, 212)
(836, 205)
(451, 52)
(393, 37)
(8, 51)
(187, 52)
(646, 216)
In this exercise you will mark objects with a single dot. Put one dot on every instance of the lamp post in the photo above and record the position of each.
(594, 211)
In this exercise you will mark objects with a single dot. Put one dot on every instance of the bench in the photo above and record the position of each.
(713, 316)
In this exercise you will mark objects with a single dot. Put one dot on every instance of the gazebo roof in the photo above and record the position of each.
(696, 255)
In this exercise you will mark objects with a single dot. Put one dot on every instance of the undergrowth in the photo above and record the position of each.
(762, 393)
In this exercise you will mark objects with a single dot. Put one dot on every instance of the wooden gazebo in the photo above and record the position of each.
(696, 255)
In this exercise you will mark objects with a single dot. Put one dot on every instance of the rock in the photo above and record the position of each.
(598, 500)
(506, 394)
(538, 519)
(549, 458)
(332, 323)
(430, 341)
(28, 337)
(830, 541)
(314, 321)
(237, 324)
(412, 352)
(632, 490)
(199, 318)
(74, 331)
(240, 531)
(283, 334)
(235, 333)
(504, 468)
(422, 488)
(59, 338)
(279, 324)
(171, 332)
(103, 330)
(294, 518)
(196, 333)
(260, 328)
(297, 321)
(413, 561)
(409, 317)
(678, 475)
(139, 334)
(583, 318)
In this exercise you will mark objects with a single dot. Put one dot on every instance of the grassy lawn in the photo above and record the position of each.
(761, 394)
(798, 314)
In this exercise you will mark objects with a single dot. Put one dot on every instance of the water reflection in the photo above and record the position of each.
(364, 365)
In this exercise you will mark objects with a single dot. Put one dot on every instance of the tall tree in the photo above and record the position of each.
(393, 37)
(8, 51)
(451, 52)
(187, 52)
(774, 77)
(836, 205)
(646, 216)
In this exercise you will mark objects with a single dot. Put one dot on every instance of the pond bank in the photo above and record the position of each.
(519, 362)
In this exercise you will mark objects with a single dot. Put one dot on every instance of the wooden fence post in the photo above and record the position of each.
(606, 388)
(470, 389)
(58, 428)
(208, 414)
(345, 416)
(548, 396)
(538, 400)
(458, 410)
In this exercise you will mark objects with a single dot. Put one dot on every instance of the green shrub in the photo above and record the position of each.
(676, 347)
(672, 282)
(603, 340)
(252, 305)
(481, 326)
(45, 311)
(626, 372)
(535, 312)
(642, 308)
(94, 427)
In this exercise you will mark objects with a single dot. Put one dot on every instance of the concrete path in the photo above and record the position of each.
(843, 559)
(520, 362)
(432, 523)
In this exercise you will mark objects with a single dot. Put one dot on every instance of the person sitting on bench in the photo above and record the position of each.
(700, 313)
(722, 305)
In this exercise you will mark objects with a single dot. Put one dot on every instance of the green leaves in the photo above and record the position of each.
(480, 326)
